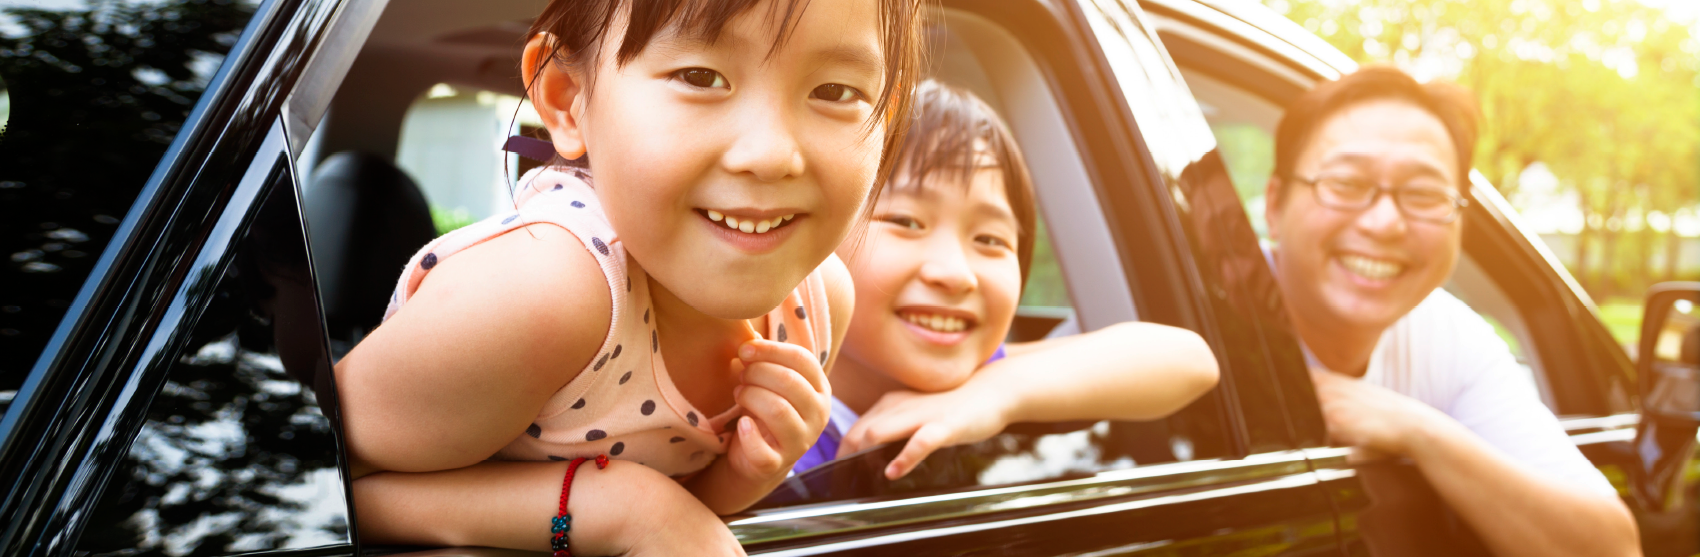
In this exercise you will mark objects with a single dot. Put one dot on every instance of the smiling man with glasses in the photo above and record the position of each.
(1365, 207)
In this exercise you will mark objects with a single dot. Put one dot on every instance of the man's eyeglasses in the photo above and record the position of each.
(1436, 204)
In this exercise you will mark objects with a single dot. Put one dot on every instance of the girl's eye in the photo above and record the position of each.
(835, 92)
(903, 221)
(992, 241)
(702, 77)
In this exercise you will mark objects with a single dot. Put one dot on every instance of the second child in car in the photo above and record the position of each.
(938, 275)
(670, 305)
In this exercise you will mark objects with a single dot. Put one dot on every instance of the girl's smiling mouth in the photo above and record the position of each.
(752, 231)
(936, 325)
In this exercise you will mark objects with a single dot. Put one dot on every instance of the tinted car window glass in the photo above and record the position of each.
(238, 451)
(92, 96)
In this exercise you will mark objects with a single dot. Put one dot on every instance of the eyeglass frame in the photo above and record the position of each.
(1458, 203)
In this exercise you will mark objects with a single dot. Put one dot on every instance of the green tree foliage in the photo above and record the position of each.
(1605, 93)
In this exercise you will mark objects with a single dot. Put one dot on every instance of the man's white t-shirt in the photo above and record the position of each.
(1443, 354)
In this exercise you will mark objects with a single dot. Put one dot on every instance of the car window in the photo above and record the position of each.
(238, 451)
(451, 142)
(1244, 124)
(442, 146)
(103, 86)
(1026, 453)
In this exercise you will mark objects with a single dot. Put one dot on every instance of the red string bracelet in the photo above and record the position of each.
(563, 522)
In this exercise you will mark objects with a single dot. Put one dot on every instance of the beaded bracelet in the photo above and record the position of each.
(563, 522)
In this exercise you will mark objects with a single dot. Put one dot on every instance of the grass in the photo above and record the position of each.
(448, 220)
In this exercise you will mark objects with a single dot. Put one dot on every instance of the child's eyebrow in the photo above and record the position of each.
(859, 59)
(994, 211)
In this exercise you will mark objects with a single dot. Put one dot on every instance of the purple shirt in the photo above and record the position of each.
(838, 423)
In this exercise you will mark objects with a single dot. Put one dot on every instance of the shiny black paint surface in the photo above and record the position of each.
(238, 450)
(76, 414)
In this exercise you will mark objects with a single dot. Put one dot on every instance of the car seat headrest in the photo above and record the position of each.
(365, 219)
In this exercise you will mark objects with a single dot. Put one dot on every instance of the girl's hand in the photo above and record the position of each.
(786, 400)
(930, 420)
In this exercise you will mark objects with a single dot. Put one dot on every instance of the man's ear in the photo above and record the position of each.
(1272, 207)
(556, 93)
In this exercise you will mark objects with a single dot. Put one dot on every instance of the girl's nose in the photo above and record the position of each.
(764, 147)
(946, 269)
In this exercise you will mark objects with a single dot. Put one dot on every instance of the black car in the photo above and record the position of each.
(184, 403)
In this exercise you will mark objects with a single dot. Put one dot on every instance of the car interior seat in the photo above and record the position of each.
(365, 219)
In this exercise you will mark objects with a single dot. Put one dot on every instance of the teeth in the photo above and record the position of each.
(1373, 269)
(749, 226)
(937, 322)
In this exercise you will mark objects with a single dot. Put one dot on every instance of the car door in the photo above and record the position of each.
(184, 405)
(1227, 474)
(1244, 64)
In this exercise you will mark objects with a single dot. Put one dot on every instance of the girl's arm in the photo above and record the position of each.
(786, 397)
(625, 509)
(489, 336)
(466, 365)
(1129, 371)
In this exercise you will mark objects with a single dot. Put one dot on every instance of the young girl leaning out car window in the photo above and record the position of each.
(671, 305)
(938, 276)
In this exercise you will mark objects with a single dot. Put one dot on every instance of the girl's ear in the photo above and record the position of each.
(556, 93)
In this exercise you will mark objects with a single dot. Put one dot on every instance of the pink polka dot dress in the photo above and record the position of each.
(623, 403)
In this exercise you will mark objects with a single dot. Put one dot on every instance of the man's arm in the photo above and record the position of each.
(1515, 510)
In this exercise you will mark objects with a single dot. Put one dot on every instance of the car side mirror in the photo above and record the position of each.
(1668, 370)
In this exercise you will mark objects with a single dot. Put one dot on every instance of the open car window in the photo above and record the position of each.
(411, 140)
(1071, 277)
(1244, 123)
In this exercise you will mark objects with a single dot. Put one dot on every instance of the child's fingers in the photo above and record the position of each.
(757, 451)
(928, 439)
(786, 355)
(873, 430)
(776, 414)
(789, 384)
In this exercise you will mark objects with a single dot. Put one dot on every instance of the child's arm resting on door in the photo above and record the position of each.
(786, 398)
(1128, 371)
(463, 369)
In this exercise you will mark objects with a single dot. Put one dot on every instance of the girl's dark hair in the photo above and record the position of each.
(578, 27)
(951, 136)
